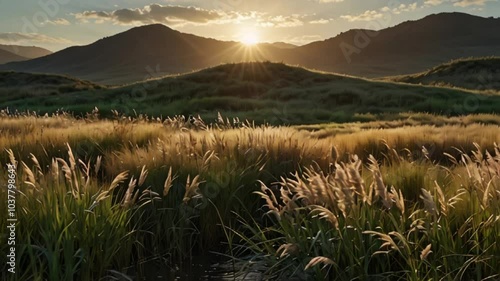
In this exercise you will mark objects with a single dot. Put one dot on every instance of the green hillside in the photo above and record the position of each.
(264, 92)
(471, 73)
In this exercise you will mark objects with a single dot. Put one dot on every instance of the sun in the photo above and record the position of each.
(249, 38)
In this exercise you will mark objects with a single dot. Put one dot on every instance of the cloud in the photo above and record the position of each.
(401, 8)
(156, 13)
(281, 21)
(433, 2)
(366, 16)
(59, 21)
(467, 3)
(370, 15)
(320, 21)
(31, 38)
(458, 3)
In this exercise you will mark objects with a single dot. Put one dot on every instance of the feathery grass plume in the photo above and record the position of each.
(425, 252)
(31, 180)
(485, 202)
(271, 202)
(326, 214)
(388, 242)
(492, 163)
(378, 182)
(37, 164)
(54, 169)
(68, 175)
(143, 176)
(131, 194)
(319, 260)
(118, 180)
(86, 170)
(393, 155)
(97, 166)
(289, 200)
(441, 199)
(73, 174)
(355, 177)
(429, 204)
(398, 198)
(168, 182)
(287, 250)
(334, 153)
(12, 158)
(191, 188)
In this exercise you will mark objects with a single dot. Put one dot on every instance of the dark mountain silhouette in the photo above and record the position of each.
(409, 47)
(6, 57)
(138, 54)
(156, 50)
(280, 45)
(29, 52)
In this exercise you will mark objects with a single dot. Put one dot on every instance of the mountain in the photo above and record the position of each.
(471, 73)
(138, 54)
(6, 57)
(409, 47)
(279, 45)
(264, 92)
(29, 52)
(155, 50)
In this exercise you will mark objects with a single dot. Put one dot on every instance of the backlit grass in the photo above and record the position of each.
(380, 200)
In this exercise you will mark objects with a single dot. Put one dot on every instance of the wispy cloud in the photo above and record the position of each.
(433, 2)
(467, 3)
(319, 21)
(457, 3)
(59, 21)
(368, 15)
(280, 21)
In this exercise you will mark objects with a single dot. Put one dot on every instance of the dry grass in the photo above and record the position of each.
(370, 200)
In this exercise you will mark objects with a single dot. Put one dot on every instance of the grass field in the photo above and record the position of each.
(415, 197)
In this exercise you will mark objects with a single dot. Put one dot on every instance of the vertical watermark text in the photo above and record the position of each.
(11, 218)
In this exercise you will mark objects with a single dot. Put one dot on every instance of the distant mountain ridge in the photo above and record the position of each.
(30, 52)
(6, 57)
(155, 50)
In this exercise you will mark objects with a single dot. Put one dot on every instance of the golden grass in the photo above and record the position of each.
(414, 202)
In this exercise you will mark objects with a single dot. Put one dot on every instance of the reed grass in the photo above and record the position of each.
(97, 198)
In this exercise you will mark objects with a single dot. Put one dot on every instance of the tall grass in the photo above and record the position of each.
(98, 198)
(350, 224)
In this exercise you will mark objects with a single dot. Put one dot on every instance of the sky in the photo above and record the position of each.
(57, 24)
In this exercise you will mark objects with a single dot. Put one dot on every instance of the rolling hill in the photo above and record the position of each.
(6, 57)
(472, 73)
(264, 92)
(19, 86)
(156, 50)
(28, 52)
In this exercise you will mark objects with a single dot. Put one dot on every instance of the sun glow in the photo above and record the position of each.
(249, 37)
